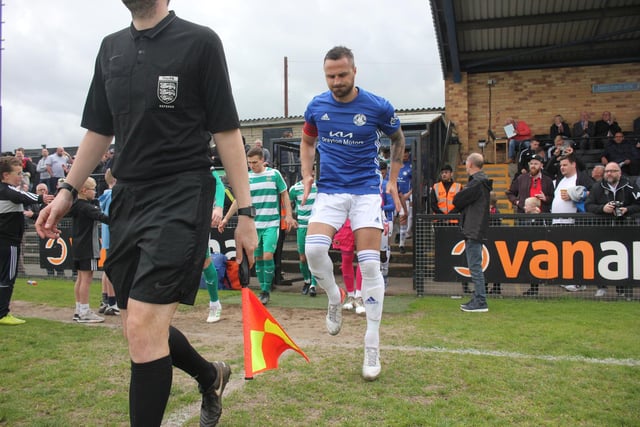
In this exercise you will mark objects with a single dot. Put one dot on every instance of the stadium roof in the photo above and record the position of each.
(502, 35)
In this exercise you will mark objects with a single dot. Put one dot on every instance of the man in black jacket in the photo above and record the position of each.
(617, 198)
(473, 204)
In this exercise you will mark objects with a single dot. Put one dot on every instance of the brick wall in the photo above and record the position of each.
(535, 96)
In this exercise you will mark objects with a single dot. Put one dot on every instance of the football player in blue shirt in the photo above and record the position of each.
(344, 124)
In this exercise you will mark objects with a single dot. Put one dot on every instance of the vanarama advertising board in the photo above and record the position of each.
(597, 255)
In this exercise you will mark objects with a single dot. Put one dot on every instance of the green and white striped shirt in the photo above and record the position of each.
(265, 190)
(304, 212)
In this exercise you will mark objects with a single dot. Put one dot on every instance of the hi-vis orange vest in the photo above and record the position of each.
(444, 198)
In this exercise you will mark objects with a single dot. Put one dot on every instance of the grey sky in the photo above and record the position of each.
(50, 48)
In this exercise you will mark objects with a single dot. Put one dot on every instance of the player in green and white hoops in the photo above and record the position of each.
(268, 194)
(304, 213)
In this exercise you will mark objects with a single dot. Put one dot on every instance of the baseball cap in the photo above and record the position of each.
(537, 157)
(446, 168)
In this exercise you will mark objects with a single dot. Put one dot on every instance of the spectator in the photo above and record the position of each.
(526, 155)
(496, 289)
(605, 128)
(473, 204)
(58, 165)
(108, 304)
(597, 173)
(559, 127)
(583, 131)
(561, 147)
(29, 171)
(614, 197)
(621, 151)
(443, 192)
(520, 139)
(86, 248)
(266, 155)
(41, 169)
(12, 230)
(532, 184)
(531, 207)
(569, 197)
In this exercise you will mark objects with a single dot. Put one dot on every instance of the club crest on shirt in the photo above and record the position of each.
(359, 119)
(167, 89)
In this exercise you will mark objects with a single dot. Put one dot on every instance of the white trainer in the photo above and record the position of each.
(371, 366)
(350, 304)
(215, 314)
(575, 288)
(334, 318)
(601, 292)
(89, 317)
(359, 305)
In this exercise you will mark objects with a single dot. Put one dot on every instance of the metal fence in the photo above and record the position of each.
(561, 255)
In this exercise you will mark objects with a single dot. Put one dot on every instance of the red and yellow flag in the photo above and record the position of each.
(264, 338)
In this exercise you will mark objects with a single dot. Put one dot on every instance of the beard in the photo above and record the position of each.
(342, 91)
(140, 8)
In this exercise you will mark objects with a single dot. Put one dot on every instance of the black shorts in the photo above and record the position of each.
(90, 264)
(159, 235)
(9, 255)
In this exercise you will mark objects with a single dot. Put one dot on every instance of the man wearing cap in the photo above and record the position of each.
(444, 191)
(532, 184)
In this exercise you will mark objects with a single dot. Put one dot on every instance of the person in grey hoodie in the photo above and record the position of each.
(473, 204)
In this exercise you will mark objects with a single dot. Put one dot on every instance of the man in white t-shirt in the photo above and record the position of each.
(563, 202)
(566, 199)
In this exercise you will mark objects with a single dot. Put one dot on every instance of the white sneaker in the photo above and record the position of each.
(359, 305)
(334, 318)
(575, 288)
(350, 304)
(371, 366)
(89, 317)
(601, 292)
(215, 314)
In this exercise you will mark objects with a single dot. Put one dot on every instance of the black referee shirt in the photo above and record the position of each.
(161, 92)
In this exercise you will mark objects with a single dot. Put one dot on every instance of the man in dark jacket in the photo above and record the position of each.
(473, 204)
(617, 198)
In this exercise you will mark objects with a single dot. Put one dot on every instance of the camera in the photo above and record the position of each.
(617, 208)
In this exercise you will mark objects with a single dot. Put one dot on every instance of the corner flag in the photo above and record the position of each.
(264, 338)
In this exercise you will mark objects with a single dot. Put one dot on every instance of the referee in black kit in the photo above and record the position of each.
(161, 88)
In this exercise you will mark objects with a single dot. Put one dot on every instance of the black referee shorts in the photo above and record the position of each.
(159, 235)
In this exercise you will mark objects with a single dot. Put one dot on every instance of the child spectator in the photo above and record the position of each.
(86, 248)
(108, 304)
(532, 206)
(12, 230)
(496, 289)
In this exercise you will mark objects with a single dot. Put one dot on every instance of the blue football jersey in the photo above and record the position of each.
(348, 140)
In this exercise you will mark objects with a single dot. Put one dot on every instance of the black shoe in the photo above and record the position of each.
(312, 291)
(474, 306)
(530, 292)
(211, 407)
(496, 289)
(402, 250)
(264, 298)
(305, 288)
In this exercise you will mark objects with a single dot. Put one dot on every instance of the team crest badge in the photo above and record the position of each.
(359, 119)
(167, 89)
